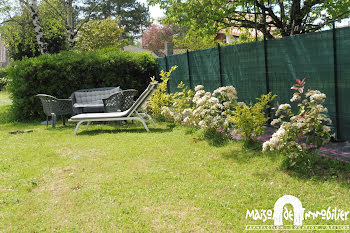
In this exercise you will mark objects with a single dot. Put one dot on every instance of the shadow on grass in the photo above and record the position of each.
(315, 167)
(243, 153)
(216, 142)
(310, 166)
(92, 132)
(212, 137)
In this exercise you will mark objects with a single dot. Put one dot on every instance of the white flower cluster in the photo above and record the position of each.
(309, 122)
(318, 98)
(282, 109)
(199, 87)
(210, 110)
(296, 97)
(276, 139)
(169, 114)
(227, 93)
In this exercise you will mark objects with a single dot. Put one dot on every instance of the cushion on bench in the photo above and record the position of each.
(94, 97)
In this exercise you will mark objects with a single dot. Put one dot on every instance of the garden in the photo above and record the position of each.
(199, 169)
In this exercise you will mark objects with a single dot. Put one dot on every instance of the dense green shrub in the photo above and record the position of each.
(61, 74)
(249, 120)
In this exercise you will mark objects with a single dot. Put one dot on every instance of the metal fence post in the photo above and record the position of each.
(267, 80)
(336, 95)
(220, 66)
(189, 70)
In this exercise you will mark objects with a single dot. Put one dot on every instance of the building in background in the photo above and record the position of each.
(3, 55)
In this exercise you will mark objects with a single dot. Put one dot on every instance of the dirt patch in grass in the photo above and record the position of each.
(77, 154)
(56, 183)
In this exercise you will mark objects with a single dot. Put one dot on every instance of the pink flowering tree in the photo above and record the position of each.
(156, 36)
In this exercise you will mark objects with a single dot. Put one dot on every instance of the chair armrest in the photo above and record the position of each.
(113, 103)
(68, 100)
(65, 106)
(128, 98)
(120, 101)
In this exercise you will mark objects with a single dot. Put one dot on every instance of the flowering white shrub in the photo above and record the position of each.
(211, 110)
(205, 110)
(306, 129)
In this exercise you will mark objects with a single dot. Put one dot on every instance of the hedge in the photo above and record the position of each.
(62, 74)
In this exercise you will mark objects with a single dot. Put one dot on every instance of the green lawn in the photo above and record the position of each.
(111, 178)
(4, 98)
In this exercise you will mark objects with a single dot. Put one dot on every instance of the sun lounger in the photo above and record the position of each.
(129, 114)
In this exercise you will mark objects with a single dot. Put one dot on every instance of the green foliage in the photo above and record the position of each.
(3, 78)
(249, 120)
(61, 74)
(195, 39)
(180, 105)
(183, 99)
(311, 164)
(134, 15)
(101, 33)
(214, 137)
(160, 97)
(285, 18)
(19, 35)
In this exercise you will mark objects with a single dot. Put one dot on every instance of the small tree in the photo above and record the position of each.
(156, 36)
(97, 34)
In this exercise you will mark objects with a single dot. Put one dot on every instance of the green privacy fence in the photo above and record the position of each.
(323, 58)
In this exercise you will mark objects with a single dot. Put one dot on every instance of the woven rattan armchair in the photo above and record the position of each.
(55, 107)
(120, 101)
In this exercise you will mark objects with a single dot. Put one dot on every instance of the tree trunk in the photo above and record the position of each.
(33, 8)
(69, 22)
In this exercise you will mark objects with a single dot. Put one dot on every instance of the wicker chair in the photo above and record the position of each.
(120, 101)
(55, 107)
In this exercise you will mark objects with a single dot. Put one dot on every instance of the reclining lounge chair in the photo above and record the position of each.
(129, 114)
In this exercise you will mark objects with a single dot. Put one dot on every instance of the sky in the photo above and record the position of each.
(155, 11)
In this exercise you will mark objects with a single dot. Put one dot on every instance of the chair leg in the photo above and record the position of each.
(63, 120)
(150, 118)
(53, 115)
(47, 121)
(77, 127)
(143, 122)
(87, 125)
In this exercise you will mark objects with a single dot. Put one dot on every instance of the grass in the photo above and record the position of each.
(111, 178)
(4, 98)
